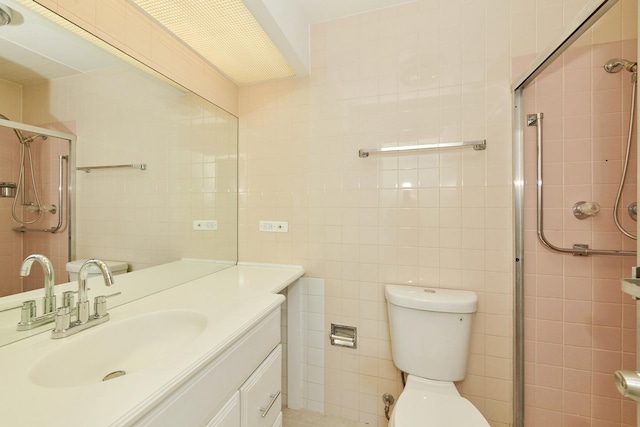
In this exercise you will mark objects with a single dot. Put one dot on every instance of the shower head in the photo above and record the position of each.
(32, 138)
(21, 138)
(614, 65)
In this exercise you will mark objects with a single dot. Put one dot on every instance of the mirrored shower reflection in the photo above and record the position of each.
(34, 206)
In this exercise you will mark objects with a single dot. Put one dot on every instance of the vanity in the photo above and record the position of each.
(204, 353)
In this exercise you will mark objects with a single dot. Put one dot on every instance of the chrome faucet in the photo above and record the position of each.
(47, 267)
(83, 274)
(29, 318)
(64, 326)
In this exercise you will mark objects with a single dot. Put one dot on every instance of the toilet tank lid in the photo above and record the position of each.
(114, 266)
(432, 299)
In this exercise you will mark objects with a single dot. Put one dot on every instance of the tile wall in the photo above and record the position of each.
(421, 72)
(580, 327)
(10, 242)
(303, 336)
(54, 245)
(379, 79)
(122, 116)
(412, 74)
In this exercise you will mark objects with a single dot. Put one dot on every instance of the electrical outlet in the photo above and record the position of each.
(205, 224)
(274, 226)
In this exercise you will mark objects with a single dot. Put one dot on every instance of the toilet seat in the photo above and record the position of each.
(425, 403)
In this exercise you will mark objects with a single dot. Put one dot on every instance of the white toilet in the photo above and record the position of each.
(430, 330)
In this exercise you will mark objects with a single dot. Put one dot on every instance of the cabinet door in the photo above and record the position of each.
(229, 415)
(260, 401)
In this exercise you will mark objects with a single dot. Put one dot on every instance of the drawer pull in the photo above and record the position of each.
(273, 397)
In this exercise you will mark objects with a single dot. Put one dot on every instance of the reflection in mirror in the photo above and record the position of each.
(34, 216)
(120, 115)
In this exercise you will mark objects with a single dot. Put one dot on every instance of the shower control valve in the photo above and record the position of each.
(633, 211)
(582, 210)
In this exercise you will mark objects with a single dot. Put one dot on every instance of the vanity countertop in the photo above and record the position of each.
(138, 284)
(233, 300)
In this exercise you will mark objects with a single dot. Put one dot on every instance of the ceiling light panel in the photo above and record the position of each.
(223, 32)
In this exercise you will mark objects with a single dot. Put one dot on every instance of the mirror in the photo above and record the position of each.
(34, 217)
(120, 115)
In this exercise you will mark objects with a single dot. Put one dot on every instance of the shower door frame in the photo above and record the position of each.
(590, 13)
(71, 177)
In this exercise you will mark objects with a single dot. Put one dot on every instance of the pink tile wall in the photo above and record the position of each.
(10, 241)
(579, 325)
(16, 246)
(54, 245)
(422, 72)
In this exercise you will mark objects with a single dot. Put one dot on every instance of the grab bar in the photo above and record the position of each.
(88, 169)
(60, 183)
(477, 145)
(60, 207)
(578, 249)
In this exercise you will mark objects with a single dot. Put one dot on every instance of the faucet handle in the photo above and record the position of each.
(27, 312)
(48, 304)
(63, 319)
(100, 304)
(68, 298)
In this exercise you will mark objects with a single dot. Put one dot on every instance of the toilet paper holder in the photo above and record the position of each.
(628, 384)
(343, 335)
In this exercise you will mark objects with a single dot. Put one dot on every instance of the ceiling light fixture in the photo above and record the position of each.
(224, 33)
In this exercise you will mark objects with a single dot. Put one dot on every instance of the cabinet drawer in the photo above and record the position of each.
(260, 400)
(229, 415)
(278, 422)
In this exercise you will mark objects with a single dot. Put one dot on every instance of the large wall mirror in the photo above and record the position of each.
(120, 115)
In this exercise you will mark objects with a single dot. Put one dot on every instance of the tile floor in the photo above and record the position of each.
(293, 418)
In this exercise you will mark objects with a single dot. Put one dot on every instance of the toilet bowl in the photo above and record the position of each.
(426, 403)
(430, 331)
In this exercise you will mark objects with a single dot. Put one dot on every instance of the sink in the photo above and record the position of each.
(116, 349)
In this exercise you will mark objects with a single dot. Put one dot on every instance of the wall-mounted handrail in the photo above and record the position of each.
(477, 145)
(88, 169)
(579, 250)
(60, 207)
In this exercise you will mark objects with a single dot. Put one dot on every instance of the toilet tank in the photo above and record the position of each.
(430, 330)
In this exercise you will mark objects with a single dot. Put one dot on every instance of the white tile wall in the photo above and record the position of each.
(305, 344)
(123, 116)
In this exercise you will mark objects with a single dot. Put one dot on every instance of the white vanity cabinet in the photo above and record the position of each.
(223, 370)
(258, 403)
(260, 399)
(229, 415)
(230, 390)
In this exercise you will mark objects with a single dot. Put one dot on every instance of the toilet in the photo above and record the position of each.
(430, 331)
(116, 267)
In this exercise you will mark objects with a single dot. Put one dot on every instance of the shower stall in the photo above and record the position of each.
(35, 207)
(575, 192)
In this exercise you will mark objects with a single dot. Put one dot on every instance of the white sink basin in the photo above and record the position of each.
(117, 348)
